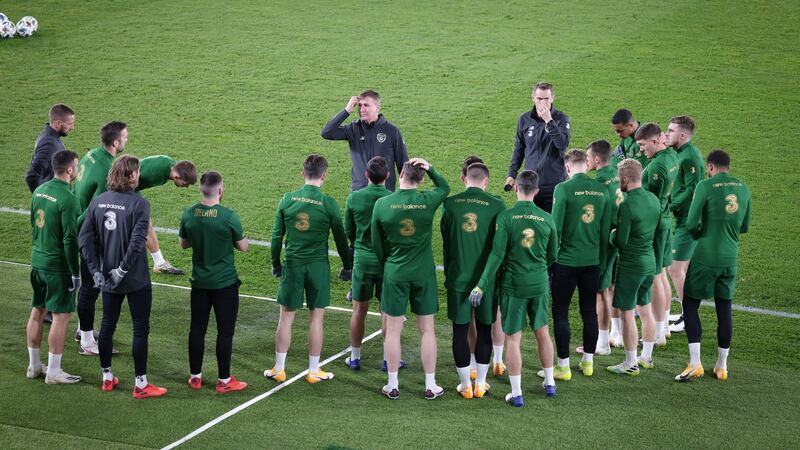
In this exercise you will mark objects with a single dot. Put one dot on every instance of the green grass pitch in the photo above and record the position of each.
(245, 87)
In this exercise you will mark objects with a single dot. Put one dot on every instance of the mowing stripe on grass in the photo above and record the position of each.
(255, 400)
(186, 288)
(174, 231)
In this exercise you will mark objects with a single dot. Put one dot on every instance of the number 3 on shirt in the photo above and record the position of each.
(408, 227)
(733, 204)
(588, 214)
(302, 222)
(40, 218)
(470, 224)
(528, 236)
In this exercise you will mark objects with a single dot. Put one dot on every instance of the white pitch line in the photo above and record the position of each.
(174, 231)
(255, 400)
(186, 288)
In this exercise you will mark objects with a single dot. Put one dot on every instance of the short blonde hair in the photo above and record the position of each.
(631, 169)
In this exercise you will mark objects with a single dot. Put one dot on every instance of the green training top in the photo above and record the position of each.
(91, 179)
(638, 220)
(526, 244)
(54, 213)
(402, 225)
(468, 225)
(691, 171)
(659, 177)
(212, 230)
(719, 212)
(629, 148)
(582, 216)
(154, 171)
(357, 222)
(306, 217)
(609, 176)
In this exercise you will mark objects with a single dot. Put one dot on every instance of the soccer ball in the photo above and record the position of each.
(24, 28)
(7, 29)
(3, 18)
(34, 23)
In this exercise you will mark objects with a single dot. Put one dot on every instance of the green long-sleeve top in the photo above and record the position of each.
(659, 177)
(91, 179)
(155, 171)
(691, 171)
(357, 226)
(525, 244)
(54, 214)
(719, 212)
(468, 225)
(638, 220)
(401, 230)
(582, 216)
(306, 217)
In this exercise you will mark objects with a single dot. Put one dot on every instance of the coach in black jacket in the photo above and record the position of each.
(62, 121)
(370, 136)
(541, 141)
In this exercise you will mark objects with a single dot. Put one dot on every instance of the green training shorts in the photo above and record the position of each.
(459, 309)
(312, 279)
(366, 285)
(51, 290)
(682, 244)
(423, 295)
(662, 245)
(517, 311)
(704, 282)
(632, 289)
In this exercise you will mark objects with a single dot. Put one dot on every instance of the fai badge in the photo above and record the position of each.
(381, 138)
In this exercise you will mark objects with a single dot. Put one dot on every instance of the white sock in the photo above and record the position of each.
(313, 363)
(659, 330)
(430, 381)
(280, 361)
(602, 339)
(548, 376)
(616, 326)
(141, 381)
(196, 375)
(630, 358)
(587, 357)
(34, 358)
(563, 362)
(483, 369)
(393, 383)
(225, 380)
(722, 359)
(472, 363)
(87, 338)
(647, 350)
(497, 355)
(463, 376)
(53, 363)
(108, 375)
(694, 354)
(157, 258)
(355, 353)
(516, 385)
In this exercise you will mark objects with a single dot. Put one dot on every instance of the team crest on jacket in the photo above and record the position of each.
(381, 138)
(530, 131)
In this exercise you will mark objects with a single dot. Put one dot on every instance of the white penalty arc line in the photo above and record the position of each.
(256, 242)
(261, 397)
(186, 288)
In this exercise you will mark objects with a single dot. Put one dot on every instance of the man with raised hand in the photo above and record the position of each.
(212, 231)
(62, 121)
(401, 239)
(598, 156)
(54, 266)
(306, 218)
(542, 138)
(371, 135)
(367, 270)
(659, 178)
(625, 127)
(691, 172)
(719, 213)
(156, 171)
(112, 241)
(582, 215)
(90, 183)
(467, 226)
(637, 223)
(525, 244)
